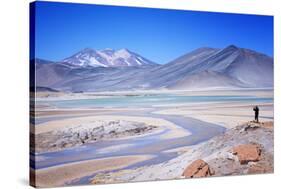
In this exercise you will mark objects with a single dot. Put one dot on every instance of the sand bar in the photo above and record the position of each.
(174, 130)
(59, 175)
(225, 114)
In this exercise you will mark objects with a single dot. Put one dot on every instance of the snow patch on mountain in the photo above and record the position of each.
(107, 58)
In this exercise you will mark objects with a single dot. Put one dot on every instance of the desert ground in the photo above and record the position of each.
(129, 136)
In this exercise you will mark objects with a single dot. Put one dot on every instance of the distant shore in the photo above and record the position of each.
(50, 96)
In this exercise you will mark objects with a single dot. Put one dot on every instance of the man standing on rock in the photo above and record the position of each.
(256, 110)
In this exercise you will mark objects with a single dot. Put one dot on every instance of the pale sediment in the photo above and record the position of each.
(60, 175)
(227, 114)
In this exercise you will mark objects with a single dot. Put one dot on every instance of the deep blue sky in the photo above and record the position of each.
(160, 35)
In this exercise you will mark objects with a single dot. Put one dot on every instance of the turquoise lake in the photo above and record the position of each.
(150, 100)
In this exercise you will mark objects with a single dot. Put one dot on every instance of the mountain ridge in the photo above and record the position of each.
(230, 67)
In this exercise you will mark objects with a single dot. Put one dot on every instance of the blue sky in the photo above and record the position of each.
(160, 35)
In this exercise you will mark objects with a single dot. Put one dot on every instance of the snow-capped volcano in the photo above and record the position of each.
(203, 68)
(107, 58)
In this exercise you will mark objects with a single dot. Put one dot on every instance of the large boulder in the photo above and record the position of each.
(196, 169)
(247, 153)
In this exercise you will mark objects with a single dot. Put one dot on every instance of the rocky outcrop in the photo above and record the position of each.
(218, 154)
(198, 168)
(252, 126)
(247, 153)
(89, 133)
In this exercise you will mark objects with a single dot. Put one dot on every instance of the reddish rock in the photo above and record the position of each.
(247, 153)
(268, 124)
(196, 169)
(263, 166)
(256, 169)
